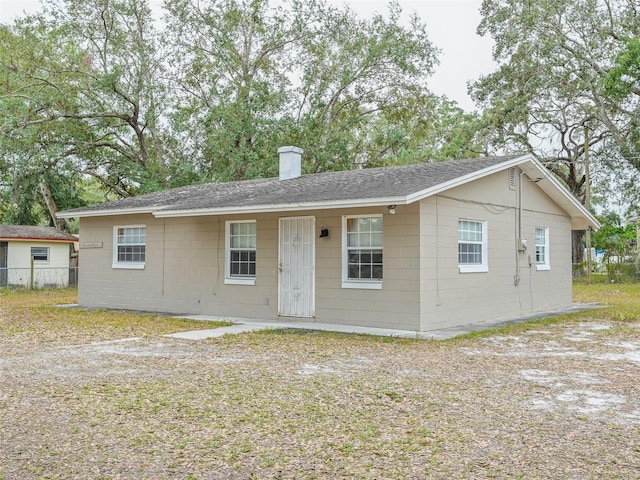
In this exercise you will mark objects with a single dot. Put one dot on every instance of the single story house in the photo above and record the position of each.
(35, 257)
(413, 247)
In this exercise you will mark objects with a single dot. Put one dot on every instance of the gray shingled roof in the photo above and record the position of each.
(28, 232)
(368, 183)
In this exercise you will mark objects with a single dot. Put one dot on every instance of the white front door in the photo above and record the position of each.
(296, 280)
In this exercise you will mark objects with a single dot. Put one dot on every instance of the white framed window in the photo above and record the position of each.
(362, 251)
(129, 246)
(472, 246)
(240, 252)
(542, 248)
(40, 254)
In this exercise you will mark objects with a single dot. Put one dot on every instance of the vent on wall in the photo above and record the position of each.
(512, 178)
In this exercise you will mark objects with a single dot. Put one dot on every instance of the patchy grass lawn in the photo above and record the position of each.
(34, 318)
(80, 398)
(623, 300)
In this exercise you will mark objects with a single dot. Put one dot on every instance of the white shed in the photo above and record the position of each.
(36, 257)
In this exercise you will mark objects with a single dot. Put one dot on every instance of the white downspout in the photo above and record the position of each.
(520, 242)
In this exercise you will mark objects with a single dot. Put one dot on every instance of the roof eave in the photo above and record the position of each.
(35, 239)
(475, 175)
(102, 213)
(581, 218)
(332, 204)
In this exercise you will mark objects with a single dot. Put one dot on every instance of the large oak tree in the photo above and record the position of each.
(94, 89)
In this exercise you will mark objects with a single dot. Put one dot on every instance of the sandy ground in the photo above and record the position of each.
(559, 401)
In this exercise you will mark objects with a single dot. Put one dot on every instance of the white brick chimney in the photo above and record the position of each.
(290, 162)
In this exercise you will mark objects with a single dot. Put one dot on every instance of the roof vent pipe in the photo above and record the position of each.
(290, 162)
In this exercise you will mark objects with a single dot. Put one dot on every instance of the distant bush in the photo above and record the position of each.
(608, 272)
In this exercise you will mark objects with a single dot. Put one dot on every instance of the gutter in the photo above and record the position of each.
(377, 202)
(102, 213)
(28, 239)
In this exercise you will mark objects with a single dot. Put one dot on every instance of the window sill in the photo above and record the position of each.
(473, 268)
(543, 267)
(240, 281)
(362, 285)
(129, 266)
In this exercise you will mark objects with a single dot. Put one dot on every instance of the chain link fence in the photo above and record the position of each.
(39, 277)
(608, 272)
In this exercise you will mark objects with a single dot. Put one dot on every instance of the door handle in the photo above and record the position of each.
(280, 267)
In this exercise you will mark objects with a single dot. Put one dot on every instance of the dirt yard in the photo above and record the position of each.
(103, 395)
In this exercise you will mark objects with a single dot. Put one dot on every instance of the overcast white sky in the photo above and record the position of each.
(451, 25)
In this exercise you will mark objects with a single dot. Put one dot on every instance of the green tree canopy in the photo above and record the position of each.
(554, 94)
(94, 89)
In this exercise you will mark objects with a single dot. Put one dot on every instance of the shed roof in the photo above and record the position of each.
(398, 185)
(29, 232)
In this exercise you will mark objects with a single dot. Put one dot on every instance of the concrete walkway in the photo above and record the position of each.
(244, 325)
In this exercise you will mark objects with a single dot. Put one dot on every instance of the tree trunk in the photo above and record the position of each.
(577, 246)
(52, 206)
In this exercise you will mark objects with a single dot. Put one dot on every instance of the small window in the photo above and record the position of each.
(472, 246)
(241, 252)
(362, 252)
(542, 248)
(40, 254)
(129, 247)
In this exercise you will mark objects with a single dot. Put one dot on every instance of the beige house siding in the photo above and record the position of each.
(102, 286)
(53, 273)
(451, 298)
(184, 269)
(397, 304)
(422, 288)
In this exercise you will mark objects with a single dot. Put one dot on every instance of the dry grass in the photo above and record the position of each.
(553, 399)
(623, 301)
(33, 319)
